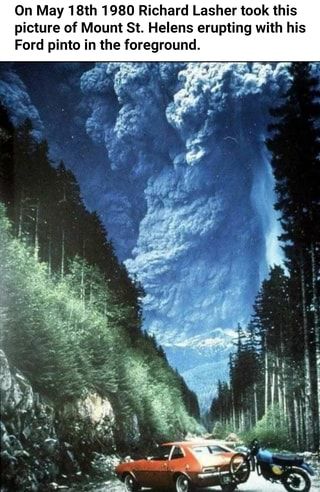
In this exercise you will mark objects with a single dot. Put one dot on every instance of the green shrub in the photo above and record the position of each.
(271, 431)
(219, 430)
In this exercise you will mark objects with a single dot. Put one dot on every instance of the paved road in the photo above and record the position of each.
(259, 484)
(254, 484)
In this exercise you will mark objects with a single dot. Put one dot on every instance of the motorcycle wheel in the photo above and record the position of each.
(296, 480)
(239, 468)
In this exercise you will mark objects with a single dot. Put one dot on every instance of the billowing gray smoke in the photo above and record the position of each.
(189, 139)
(14, 95)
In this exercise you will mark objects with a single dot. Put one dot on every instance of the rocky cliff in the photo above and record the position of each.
(42, 444)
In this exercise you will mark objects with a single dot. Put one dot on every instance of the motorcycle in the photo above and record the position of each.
(289, 470)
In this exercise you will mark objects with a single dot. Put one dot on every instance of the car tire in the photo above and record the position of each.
(130, 483)
(183, 484)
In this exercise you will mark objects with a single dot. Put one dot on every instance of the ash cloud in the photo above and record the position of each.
(128, 103)
(190, 141)
(178, 172)
(14, 95)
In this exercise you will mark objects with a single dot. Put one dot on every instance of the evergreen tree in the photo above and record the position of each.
(6, 158)
(295, 149)
(282, 342)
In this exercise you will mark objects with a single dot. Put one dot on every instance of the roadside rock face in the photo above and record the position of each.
(95, 408)
(39, 442)
(89, 425)
(27, 424)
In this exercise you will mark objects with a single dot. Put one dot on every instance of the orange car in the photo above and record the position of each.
(181, 466)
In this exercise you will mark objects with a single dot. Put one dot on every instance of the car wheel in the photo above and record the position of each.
(130, 484)
(183, 484)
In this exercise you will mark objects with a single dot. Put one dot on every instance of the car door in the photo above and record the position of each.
(156, 473)
(140, 469)
(178, 462)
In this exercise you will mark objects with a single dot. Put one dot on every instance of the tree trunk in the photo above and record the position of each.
(302, 419)
(255, 403)
(315, 303)
(20, 217)
(273, 383)
(36, 232)
(307, 372)
(233, 413)
(82, 288)
(279, 389)
(242, 420)
(284, 390)
(266, 378)
(62, 253)
(282, 378)
(297, 421)
(49, 255)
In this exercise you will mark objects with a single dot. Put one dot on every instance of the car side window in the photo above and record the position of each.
(201, 450)
(162, 453)
(212, 449)
(177, 453)
(216, 449)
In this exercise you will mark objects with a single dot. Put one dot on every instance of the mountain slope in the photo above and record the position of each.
(202, 360)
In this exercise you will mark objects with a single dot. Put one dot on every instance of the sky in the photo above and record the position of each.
(172, 157)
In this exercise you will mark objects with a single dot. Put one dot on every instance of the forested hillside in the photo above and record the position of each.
(274, 386)
(70, 315)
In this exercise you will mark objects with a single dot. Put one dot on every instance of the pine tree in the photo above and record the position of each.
(6, 158)
(295, 149)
